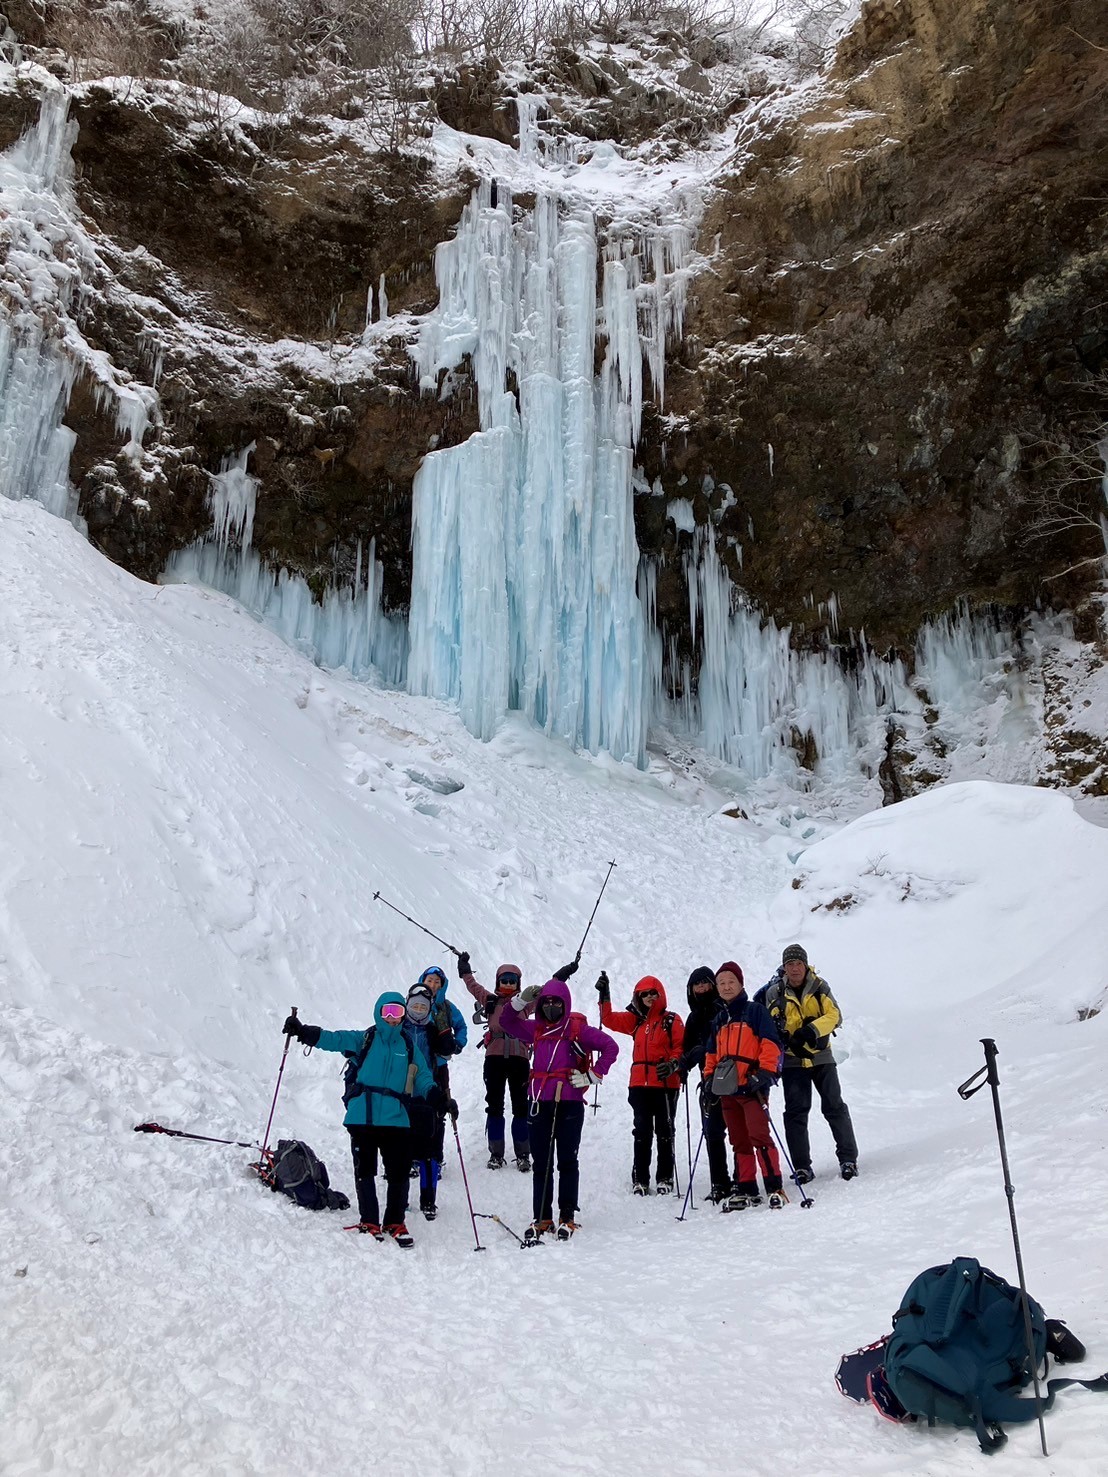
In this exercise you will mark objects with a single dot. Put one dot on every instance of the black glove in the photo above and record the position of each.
(604, 988)
(707, 1096)
(807, 1036)
(292, 1027)
(566, 970)
(463, 965)
(452, 1108)
(446, 1044)
(758, 1082)
(667, 1069)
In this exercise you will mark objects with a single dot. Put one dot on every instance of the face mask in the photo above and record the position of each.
(552, 1010)
(419, 1009)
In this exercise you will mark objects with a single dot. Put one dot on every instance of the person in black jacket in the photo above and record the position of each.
(703, 998)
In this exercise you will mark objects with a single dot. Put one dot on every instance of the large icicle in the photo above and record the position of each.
(525, 563)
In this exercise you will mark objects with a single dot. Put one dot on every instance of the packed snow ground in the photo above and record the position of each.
(194, 822)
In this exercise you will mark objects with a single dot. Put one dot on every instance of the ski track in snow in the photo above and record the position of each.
(195, 821)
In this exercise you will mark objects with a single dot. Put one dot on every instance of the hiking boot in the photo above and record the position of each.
(664, 1187)
(719, 1193)
(496, 1161)
(400, 1234)
(735, 1202)
(523, 1163)
(536, 1231)
(566, 1229)
(428, 1207)
(637, 1189)
(848, 1169)
(777, 1200)
(804, 1176)
(367, 1228)
(413, 1173)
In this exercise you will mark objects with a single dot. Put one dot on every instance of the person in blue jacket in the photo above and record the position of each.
(451, 1036)
(391, 1072)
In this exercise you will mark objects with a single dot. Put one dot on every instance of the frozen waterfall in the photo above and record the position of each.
(525, 564)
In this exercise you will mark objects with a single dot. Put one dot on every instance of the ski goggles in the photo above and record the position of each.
(509, 978)
(393, 1012)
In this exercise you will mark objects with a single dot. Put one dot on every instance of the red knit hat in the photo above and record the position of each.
(732, 968)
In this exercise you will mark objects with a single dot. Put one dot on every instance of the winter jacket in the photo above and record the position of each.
(811, 1004)
(387, 1067)
(743, 1030)
(497, 1041)
(657, 1038)
(561, 1048)
(445, 1014)
(698, 1027)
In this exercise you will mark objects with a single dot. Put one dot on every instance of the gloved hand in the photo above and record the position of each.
(292, 1027)
(807, 1036)
(667, 1069)
(604, 988)
(526, 997)
(446, 1044)
(463, 965)
(309, 1035)
(566, 970)
(452, 1108)
(584, 1079)
(707, 1096)
(758, 1082)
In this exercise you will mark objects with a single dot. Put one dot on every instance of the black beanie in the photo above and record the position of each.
(794, 952)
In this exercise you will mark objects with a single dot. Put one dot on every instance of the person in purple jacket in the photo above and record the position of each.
(562, 1071)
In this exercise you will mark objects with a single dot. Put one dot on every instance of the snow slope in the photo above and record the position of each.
(194, 822)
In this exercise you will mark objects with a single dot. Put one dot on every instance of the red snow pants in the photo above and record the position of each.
(747, 1120)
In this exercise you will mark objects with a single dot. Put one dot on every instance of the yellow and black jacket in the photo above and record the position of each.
(792, 1008)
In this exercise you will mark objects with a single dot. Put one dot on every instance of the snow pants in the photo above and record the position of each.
(512, 1073)
(395, 1148)
(715, 1141)
(747, 1120)
(653, 1109)
(556, 1129)
(798, 1083)
(425, 1124)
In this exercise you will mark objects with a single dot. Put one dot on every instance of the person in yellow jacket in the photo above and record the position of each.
(806, 1013)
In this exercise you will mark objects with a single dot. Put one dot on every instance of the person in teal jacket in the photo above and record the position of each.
(393, 1070)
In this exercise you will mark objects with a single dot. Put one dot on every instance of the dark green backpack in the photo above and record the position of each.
(958, 1351)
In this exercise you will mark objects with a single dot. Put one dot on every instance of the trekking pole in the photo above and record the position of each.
(974, 1084)
(465, 1181)
(276, 1090)
(592, 915)
(377, 898)
(688, 1133)
(484, 1216)
(179, 1133)
(673, 1146)
(692, 1172)
(806, 1201)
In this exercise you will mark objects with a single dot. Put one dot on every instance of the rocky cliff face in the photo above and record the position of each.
(904, 299)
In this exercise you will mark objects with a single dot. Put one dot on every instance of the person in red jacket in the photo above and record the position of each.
(655, 1080)
(741, 1064)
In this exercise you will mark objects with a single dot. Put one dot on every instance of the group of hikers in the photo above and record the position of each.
(543, 1058)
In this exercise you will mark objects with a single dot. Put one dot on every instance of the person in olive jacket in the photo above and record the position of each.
(806, 1013)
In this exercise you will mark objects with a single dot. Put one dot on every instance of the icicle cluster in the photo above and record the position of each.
(525, 564)
(348, 628)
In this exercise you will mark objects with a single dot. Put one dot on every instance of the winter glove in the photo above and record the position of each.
(566, 970)
(446, 1044)
(758, 1083)
(463, 965)
(707, 1096)
(452, 1109)
(309, 1035)
(584, 1079)
(667, 1069)
(292, 1027)
(526, 997)
(807, 1036)
(604, 988)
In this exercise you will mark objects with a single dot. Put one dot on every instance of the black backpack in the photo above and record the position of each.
(298, 1173)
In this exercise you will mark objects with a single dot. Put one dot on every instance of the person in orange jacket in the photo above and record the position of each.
(741, 1064)
(655, 1080)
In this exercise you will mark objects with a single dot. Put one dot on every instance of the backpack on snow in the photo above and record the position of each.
(296, 1172)
(958, 1351)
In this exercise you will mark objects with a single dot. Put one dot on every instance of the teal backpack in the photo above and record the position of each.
(958, 1351)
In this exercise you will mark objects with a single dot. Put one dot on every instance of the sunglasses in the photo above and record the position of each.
(509, 978)
(393, 1012)
(648, 995)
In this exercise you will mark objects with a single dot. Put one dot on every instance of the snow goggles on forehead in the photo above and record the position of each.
(393, 1011)
(509, 977)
